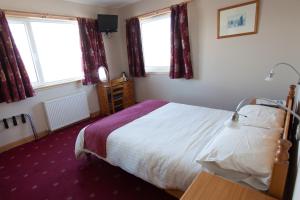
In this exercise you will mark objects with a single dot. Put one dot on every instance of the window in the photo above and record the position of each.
(156, 39)
(50, 49)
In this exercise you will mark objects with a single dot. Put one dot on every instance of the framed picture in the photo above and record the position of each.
(238, 20)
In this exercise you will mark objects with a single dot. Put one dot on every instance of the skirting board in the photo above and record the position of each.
(22, 141)
(31, 138)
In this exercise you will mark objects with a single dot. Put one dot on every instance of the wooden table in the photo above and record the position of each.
(211, 187)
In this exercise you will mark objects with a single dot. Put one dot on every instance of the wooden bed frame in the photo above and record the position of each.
(281, 165)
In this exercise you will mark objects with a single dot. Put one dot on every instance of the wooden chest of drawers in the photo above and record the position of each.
(116, 96)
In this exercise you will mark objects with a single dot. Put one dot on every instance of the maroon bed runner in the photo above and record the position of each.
(96, 134)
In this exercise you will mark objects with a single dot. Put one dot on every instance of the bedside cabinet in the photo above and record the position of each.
(115, 97)
(211, 187)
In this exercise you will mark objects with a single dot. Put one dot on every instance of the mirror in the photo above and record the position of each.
(103, 74)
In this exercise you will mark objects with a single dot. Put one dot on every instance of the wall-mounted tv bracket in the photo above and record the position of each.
(108, 34)
(24, 118)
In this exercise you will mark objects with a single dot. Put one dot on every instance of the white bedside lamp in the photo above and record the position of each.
(272, 72)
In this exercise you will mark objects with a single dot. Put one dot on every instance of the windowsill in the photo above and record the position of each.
(157, 73)
(157, 70)
(56, 84)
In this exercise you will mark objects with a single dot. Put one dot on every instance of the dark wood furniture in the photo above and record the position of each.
(116, 96)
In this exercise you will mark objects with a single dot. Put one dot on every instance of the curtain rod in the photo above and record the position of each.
(17, 13)
(158, 12)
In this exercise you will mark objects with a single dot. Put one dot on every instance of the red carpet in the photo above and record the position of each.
(48, 170)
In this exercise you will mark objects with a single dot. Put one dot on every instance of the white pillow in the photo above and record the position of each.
(243, 155)
(262, 116)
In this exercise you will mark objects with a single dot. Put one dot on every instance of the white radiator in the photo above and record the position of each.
(66, 110)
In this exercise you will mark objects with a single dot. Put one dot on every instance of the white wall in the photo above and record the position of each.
(33, 106)
(227, 70)
(52, 7)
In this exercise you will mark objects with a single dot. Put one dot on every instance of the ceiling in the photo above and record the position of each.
(105, 3)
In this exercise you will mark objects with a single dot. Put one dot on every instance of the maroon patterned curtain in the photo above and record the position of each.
(134, 48)
(181, 65)
(92, 47)
(14, 81)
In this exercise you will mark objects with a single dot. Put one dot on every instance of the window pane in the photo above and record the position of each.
(20, 36)
(58, 48)
(156, 38)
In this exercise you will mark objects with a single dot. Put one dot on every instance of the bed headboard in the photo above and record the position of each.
(281, 165)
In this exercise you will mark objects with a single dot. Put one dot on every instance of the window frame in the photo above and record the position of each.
(159, 14)
(40, 84)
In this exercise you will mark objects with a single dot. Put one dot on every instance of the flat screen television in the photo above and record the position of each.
(107, 23)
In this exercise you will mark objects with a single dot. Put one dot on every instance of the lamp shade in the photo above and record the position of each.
(269, 77)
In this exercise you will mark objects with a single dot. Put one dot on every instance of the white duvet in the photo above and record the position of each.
(162, 146)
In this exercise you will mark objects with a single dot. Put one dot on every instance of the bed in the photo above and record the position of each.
(159, 142)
